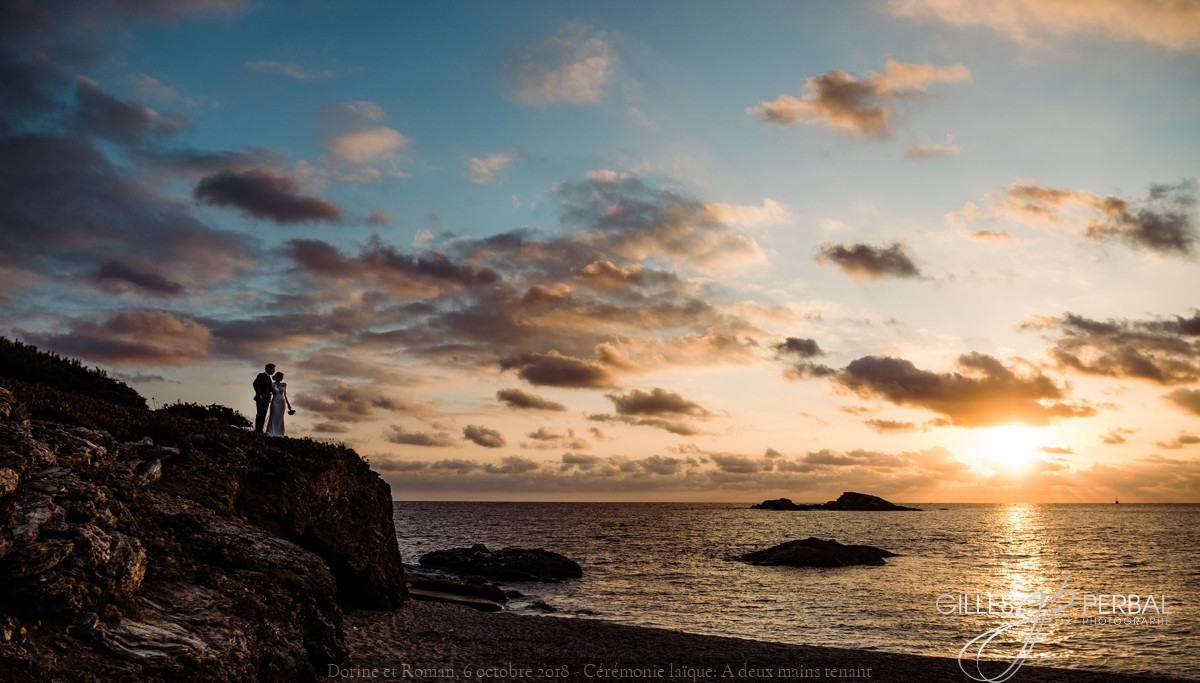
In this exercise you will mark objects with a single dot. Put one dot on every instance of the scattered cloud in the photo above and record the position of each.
(798, 354)
(341, 401)
(929, 150)
(141, 338)
(398, 435)
(1162, 222)
(656, 402)
(482, 436)
(119, 276)
(864, 107)
(1056, 450)
(1115, 436)
(1181, 441)
(865, 260)
(554, 369)
(891, 426)
(128, 122)
(289, 69)
(1162, 351)
(262, 194)
(482, 171)
(572, 67)
(985, 393)
(1175, 25)
(368, 145)
(519, 398)
(1188, 399)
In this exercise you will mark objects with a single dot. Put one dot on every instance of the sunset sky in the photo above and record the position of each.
(933, 250)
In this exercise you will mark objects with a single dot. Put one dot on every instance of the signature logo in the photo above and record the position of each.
(1030, 615)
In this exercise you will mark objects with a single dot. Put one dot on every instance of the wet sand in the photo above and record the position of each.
(436, 641)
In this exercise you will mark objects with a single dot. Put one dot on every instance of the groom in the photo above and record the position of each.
(262, 395)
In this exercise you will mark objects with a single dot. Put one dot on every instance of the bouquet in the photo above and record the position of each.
(291, 411)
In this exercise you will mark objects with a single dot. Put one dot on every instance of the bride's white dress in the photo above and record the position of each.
(278, 409)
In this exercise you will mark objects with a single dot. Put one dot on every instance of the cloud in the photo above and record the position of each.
(808, 476)
(129, 122)
(607, 275)
(929, 150)
(656, 402)
(796, 346)
(1175, 25)
(519, 398)
(382, 265)
(1056, 450)
(120, 276)
(398, 435)
(1161, 351)
(798, 353)
(341, 401)
(1181, 441)
(1115, 436)
(289, 69)
(368, 145)
(1188, 399)
(570, 67)
(627, 219)
(1162, 222)
(984, 394)
(658, 408)
(891, 426)
(157, 338)
(750, 216)
(482, 436)
(866, 107)
(262, 194)
(554, 369)
(865, 260)
(482, 171)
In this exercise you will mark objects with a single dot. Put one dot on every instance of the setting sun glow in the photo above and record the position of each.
(1010, 447)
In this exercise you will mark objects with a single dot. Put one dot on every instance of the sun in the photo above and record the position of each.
(1008, 447)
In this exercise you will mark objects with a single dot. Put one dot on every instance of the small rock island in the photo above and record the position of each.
(849, 501)
(816, 552)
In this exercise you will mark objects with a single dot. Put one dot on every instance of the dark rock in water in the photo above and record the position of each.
(200, 553)
(541, 606)
(434, 584)
(847, 501)
(508, 564)
(815, 552)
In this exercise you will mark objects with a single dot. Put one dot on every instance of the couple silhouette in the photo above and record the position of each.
(271, 399)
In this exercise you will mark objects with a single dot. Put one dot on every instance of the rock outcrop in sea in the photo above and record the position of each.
(137, 545)
(507, 564)
(816, 552)
(847, 501)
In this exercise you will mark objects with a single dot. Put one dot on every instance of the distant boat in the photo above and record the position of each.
(1116, 501)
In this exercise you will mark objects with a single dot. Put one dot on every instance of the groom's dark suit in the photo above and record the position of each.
(262, 399)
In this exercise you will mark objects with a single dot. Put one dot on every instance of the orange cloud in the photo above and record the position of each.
(1175, 25)
(863, 107)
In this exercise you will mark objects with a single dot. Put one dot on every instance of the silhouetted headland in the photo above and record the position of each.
(847, 501)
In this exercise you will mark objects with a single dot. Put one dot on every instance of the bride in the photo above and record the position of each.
(279, 399)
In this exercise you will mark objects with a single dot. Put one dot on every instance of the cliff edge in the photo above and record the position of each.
(137, 545)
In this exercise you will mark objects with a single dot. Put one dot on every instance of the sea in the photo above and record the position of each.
(1101, 587)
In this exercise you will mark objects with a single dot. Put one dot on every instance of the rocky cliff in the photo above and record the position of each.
(138, 546)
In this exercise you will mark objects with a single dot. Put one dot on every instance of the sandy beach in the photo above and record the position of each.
(431, 640)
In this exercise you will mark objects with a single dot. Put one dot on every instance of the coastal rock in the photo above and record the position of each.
(815, 552)
(198, 553)
(847, 501)
(442, 586)
(508, 564)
